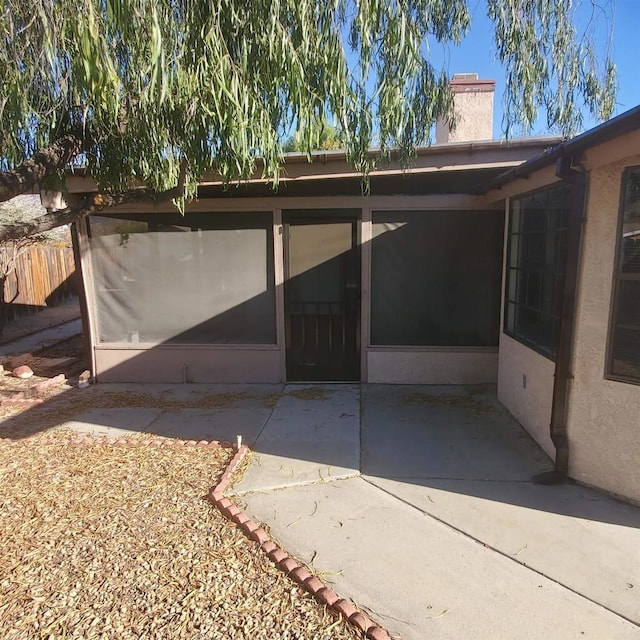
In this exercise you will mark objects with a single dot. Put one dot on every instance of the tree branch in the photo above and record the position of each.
(33, 171)
(90, 205)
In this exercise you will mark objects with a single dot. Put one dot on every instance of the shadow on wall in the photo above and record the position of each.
(435, 282)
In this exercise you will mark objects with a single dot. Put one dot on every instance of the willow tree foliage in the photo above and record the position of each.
(149, 95)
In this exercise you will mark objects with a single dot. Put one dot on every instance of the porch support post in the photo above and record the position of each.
(278, 261)
(82, 257)
(366, 237)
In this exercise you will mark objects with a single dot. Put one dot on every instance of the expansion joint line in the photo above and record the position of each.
(289, 565)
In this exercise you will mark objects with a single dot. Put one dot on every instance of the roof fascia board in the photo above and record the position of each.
(623, 124)
(612, 151)
(443, 202)
(448, 157)
(536, 180)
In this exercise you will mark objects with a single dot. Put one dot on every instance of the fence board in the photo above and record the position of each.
(44, 275)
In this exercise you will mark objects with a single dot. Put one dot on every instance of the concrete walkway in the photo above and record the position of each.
(442, 534)
(416, 502)
(41, 339)
(47, 318)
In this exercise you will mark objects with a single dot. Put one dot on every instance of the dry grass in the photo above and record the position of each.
(310, 393)
(120, 542)
(467, 402)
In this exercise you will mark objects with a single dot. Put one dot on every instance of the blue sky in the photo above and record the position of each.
(476, 54)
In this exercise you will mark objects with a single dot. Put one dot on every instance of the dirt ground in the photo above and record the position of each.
(56, 370)
(48, 317)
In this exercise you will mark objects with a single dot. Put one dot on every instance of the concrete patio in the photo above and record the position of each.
(416, 502)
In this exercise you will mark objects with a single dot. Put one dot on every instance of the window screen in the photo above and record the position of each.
(201, 278)
(536, 260)
(435, 278)
(624, 345)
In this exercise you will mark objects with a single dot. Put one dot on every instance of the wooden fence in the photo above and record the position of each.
(44, 276)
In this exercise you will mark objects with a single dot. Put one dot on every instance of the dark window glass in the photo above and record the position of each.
(624, 346)
(435, 278)
(536, 254)
(197, 279)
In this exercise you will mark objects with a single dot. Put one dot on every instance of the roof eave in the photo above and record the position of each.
(615, 127)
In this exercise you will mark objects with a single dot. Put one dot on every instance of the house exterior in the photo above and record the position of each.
(473, 266)
(586, 382)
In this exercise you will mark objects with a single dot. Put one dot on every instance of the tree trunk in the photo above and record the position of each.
(44, 164)
(91, 204)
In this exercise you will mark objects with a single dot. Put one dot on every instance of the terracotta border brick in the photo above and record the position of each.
(122, 441)
(285, 562)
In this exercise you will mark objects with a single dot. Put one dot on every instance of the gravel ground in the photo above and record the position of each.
(121, 542)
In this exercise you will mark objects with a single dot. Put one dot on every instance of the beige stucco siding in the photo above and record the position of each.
(474, 118)
(604, 415)
(171, 364)
(525, 388)
(431, 366)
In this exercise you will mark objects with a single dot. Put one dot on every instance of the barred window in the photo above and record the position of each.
(536, 257)
(624, 332)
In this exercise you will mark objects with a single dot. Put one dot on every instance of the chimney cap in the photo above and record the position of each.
(463, 82)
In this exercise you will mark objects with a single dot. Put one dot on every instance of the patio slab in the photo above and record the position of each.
(211, 424)
(114, 422)
(457, 455)
(312, 436)
(444, 432)
(579, 538)
(436, 528)
(243, 410)
(419, 577)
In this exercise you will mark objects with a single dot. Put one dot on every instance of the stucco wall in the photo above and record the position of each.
(525, 388)
(525, 378)
(604, 415)
(196, 363)
(431, 366)
(474, 113)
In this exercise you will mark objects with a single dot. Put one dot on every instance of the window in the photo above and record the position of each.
(435, 278)
(197, 279)
(536, 256)
(624, 345)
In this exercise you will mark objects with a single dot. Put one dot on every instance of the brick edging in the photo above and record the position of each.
(283, 561)
(130, 442)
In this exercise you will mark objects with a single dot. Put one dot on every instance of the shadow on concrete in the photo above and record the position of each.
(462, 440)
(411, 441)
(455, 438)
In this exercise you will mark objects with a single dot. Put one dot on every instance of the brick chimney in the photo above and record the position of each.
(473, 108)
